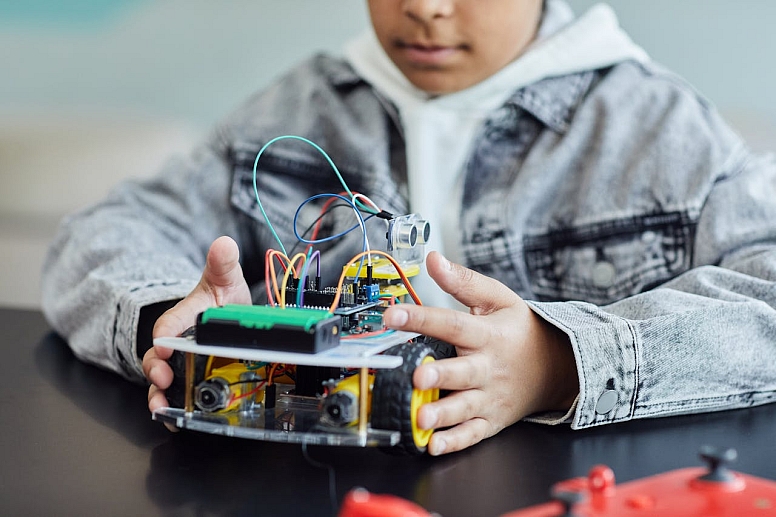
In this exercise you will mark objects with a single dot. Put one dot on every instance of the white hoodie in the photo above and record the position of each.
(440, 130)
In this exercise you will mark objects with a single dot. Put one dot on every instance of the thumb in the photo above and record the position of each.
(476, 291)
(222, 282)
(222, 269)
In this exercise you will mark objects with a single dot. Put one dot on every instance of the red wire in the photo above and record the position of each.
(366, 334)
(324, 208)
(252, 392)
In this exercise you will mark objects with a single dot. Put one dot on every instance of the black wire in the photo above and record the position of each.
(324, 214)
(332, 478)
(312, 224)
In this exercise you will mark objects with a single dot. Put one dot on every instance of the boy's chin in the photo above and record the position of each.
(439, 83)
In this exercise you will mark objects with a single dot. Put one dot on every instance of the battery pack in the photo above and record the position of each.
(265, 327)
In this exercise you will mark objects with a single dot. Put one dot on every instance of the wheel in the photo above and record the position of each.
(395, 402)
(441, 349)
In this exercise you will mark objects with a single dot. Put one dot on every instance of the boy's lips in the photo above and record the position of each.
(426, 54)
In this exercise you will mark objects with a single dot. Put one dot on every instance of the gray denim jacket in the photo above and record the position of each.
(616, 201)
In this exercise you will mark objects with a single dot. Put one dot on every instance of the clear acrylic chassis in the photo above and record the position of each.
(294, 419)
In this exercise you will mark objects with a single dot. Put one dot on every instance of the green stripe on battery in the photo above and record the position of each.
(265, 316)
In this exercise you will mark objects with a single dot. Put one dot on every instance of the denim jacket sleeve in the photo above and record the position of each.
(705, 339)
(145, 243)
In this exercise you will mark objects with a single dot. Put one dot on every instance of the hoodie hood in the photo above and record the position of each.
(440, 130)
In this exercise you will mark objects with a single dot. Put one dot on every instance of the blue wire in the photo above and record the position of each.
(341, 234)
(331, 238)
(328, 159)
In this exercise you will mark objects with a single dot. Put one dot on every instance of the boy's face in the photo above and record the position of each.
(444, 46)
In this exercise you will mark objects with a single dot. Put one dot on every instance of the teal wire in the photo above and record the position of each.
(328, 159)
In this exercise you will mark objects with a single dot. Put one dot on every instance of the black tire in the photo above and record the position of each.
(176, 393)
(441, 349)
(392, 397)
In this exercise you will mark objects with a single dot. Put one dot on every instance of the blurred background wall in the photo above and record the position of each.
(93, 91)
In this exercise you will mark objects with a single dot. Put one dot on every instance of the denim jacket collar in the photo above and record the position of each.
(552, 101)
(342, 75)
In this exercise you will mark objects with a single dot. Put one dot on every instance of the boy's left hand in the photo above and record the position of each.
(511, 362)
(222, 282)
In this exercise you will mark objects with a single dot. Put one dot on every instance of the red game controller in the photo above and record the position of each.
(712, 492)
(361, 503)
(692, 492)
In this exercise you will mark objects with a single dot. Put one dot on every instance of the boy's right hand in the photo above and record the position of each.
(222, 282)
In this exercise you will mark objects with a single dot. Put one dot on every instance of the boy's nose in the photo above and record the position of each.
(426, 10)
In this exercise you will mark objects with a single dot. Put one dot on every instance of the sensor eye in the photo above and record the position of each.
(424, 231)
(406, 235)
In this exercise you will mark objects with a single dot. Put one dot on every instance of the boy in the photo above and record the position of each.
(618, 237)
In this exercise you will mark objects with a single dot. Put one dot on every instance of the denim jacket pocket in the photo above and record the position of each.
(609, 260)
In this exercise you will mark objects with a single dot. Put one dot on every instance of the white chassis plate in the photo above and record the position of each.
(351, 353)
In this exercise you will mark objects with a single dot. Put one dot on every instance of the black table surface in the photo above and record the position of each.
(76, 440)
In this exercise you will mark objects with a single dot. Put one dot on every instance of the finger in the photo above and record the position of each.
(158, 372)
(149, 359)
(162, 352)
(456, 373)
(454, 409)
(149, 356)
(156, 398)
(223, 265)
(183, 315)
(468, 287)
(457, 328)
(460, 437)
(222, 282)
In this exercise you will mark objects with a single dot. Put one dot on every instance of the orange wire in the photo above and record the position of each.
(269, 272)
(272, 373)
(285, 277)
(267, 260)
